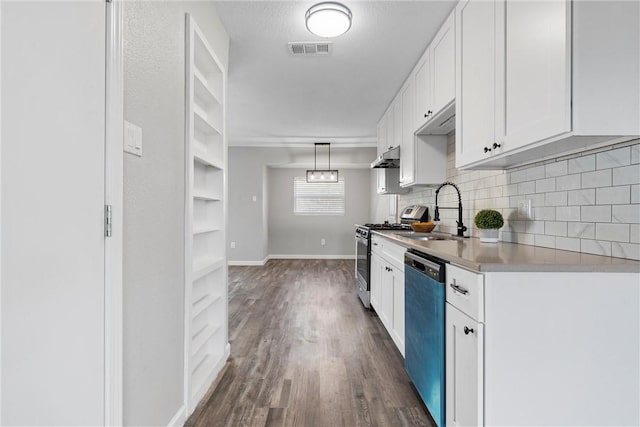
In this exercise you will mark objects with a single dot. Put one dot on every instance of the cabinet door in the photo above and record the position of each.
(537, 71)
(390, 129)
(443, 65)
(375, 281)
(475, 79)
(386, 296)
(382, 135)
(397, 122)
(398, 308)
(423, 89)
(464, 369)
(407, 146)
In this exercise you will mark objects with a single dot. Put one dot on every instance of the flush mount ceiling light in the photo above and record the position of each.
(328, 19)
(321, 175)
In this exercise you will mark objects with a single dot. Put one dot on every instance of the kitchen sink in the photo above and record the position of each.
(424, 237)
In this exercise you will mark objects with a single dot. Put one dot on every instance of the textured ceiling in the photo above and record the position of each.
(274, 97)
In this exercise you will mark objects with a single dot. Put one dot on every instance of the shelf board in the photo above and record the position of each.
(205, 229)
(205, 266)
(202, 159)
(202, 124)
(204, 372)
(201, 89)
(203, 336)
(204, 303)
(200, 195)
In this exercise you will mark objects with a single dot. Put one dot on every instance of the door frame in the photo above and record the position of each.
(114, 184)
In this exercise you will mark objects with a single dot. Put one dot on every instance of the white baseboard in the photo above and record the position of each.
(178, 419)
(312, 257)
(260, 263)
(288, 256)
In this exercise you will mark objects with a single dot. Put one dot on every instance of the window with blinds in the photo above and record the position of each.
(318, 198)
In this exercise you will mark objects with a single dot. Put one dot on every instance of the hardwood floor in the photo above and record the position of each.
(305, 352)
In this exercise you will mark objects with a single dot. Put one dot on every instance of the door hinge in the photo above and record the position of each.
(107, 220)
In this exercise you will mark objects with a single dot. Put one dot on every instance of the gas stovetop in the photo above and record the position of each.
(388, 226)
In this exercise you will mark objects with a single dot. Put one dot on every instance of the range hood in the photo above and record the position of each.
(388, 159)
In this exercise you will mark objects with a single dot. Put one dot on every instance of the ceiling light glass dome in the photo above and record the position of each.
(328, 19)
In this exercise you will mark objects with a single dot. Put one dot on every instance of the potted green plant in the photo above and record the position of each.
(488, 222)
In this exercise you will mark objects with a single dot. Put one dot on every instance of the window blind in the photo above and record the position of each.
(318, 198)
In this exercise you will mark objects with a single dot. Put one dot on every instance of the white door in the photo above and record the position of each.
(398, 308)
(375, 281)
(537, 71)
(464, 369)
(407, 145)
(386, 296)
(475, 79)
(424, 98)
(443, 61)
(53, 168)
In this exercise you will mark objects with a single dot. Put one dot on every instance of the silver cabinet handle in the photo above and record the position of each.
(458, 289)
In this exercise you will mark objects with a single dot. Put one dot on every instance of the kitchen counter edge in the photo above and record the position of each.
(471, 254)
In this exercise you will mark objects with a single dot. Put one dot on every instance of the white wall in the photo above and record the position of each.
(247, 168)
(292, 235)
(588, 202)
(154, 204)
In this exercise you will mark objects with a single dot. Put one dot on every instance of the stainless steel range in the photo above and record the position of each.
(363, 246)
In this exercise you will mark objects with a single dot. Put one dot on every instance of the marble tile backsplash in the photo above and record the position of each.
(588, 202)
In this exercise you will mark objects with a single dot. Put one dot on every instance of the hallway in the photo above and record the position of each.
(305, 352)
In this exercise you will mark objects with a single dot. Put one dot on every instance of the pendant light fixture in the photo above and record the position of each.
(321, 175)
(328, 19)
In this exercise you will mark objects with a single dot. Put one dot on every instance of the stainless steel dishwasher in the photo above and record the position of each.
(424, 281)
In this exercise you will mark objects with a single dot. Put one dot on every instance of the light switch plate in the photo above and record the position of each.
(132, 139)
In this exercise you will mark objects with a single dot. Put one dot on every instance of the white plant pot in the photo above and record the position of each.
(489, 235)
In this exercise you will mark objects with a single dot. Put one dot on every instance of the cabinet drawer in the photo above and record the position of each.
(394, 253)
(465, 291)
(376, 244)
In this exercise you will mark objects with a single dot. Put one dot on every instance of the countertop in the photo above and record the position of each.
(470, 253)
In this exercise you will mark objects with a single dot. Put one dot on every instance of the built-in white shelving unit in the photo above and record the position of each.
(206, 335)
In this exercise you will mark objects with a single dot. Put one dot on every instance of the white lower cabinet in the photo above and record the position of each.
(387, 287)
(464, 369)
(374, 281)
(542, 348)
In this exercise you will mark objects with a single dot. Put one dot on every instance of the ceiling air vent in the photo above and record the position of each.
(309, 48)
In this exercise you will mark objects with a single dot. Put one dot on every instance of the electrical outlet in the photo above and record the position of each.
(323, 242)
(524, 209)
(254, 198)
(233, 245)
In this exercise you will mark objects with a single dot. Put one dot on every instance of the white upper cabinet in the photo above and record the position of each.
(407, 146)
(475, 75)
(435, 83)
(390, 131)
(537, 71)
(422, 112)
(443, 60)
(397, 122)
(423, 90)
(382, 136)
(538, 79)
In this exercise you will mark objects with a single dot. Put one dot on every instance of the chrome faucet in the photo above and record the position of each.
(436, 215)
